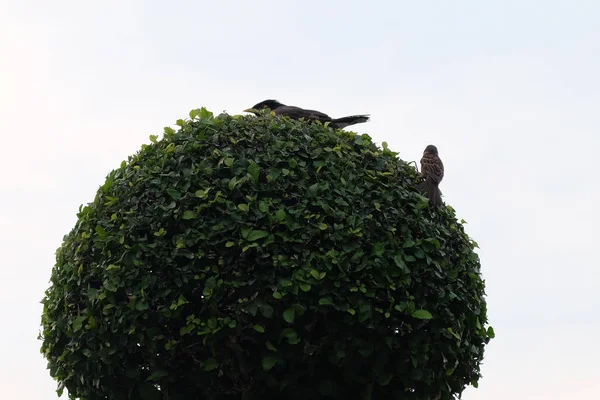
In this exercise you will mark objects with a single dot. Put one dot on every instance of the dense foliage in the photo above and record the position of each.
(264, 258)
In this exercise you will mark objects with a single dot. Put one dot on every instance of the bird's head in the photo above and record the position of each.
(431, 149)
(270, 104)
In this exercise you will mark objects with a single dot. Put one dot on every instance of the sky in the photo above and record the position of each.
(509, 92)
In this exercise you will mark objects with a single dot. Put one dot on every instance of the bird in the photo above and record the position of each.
(432, 169)
(311, 115)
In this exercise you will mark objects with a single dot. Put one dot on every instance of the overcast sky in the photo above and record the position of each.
(509, 91)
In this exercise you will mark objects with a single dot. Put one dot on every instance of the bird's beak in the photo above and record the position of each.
(249, 110)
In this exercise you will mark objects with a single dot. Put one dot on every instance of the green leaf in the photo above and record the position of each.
(289, 315)
(142, 305)
(189, 214)
(280, 215)
(113, 267)
(290, 334)
(422, 314)
(263, 206)
(314, 273)
(259, 328)
(228, 162)
(305, 287)
(78, 323)
(277, 295)
(203, 193)
(325, 301)
(270, 346)
(401, 264)
(91, 323)
(322, 226)
(256, 234)
(490, 332)
(286, 283)
(210, 364)
(312, 190)
(378, 249)
(244, 207)
(268, 362)
(175, 194)
(254, 171)
(266, 310)
(451, 331)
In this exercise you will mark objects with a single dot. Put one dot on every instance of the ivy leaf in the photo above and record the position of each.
(259, 328)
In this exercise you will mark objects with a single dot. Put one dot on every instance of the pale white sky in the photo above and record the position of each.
(509, 91)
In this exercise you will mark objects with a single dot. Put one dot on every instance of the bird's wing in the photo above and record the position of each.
(432, 167)
(297, 113)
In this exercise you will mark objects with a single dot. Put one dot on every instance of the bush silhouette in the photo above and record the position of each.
(264, 258)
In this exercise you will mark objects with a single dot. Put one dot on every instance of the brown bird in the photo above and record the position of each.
(311, 115)
(432, 169)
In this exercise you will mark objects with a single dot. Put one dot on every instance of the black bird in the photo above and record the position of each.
(311, 115)
(432, 169)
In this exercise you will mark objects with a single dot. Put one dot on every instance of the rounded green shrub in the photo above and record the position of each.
(264, 258)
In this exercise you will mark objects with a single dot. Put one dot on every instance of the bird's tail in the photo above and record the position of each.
(341, 123)
(432, 190)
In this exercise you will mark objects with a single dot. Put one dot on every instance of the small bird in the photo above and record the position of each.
(312, 115)
(432, 169)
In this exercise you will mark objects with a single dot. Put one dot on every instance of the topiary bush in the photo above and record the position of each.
(264, 258)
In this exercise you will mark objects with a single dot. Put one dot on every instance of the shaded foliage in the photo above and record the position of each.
(259, 257)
